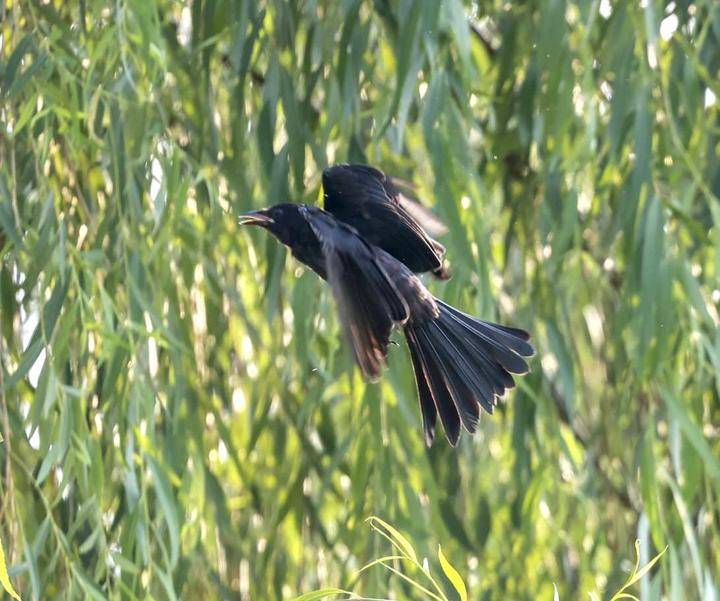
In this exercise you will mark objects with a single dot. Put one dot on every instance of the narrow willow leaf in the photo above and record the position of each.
(406, 50)
(7, 222)
(398, 540)
(38, 65)
(28, 360)
(692, 289)
(453, 575)
(167, 502)
(4, 578)
(47, 463)
(167, 583)
(23, 47)
(676, 579)
(382, 560)
(646, 568)
(694, 435)
(649, 483)
(460, 27)
(636, 574)
(88, 586)
(322, 594)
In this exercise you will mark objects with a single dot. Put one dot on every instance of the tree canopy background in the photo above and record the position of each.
(179, 414)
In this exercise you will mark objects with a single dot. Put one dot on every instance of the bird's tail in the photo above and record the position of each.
(461, 364)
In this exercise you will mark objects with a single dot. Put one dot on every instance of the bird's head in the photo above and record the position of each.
(281, 220)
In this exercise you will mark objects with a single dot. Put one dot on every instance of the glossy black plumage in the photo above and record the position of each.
(360, 245)
(369, 201)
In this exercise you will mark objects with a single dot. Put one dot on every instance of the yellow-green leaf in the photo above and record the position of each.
(5, 578)
(401, 543)
(453, 575)
(321, 594)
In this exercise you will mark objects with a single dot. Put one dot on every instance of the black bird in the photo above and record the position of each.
(367, 246)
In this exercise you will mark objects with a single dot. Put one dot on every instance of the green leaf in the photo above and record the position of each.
(7, 221)
(382, 560)
(693, 434)
(646, 568)
(23, 47)
(458, 19)
(401, 543)
(321, 594)
(649, 483)
(89, 587)
(453, 575)
(4, 577)
(167, 503)
(637, 573)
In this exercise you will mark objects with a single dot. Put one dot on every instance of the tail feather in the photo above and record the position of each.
(461, 364)
(427, 404)
(448, 361)
(513, 338)
(515, 332)
(431, 372)
(488, 371)
(463, 368)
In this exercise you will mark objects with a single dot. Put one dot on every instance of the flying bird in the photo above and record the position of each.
(369, 243)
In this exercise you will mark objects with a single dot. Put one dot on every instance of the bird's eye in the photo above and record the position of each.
(277, 213)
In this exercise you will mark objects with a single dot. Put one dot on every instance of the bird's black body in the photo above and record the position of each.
(367, 248)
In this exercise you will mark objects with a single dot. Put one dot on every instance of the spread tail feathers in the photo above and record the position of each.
(461, 364)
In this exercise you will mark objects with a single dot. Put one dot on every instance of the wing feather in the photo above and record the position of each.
(368, 302)
(367, 199)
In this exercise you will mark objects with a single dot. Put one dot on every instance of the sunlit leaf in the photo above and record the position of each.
(321, 594)
(401, 543)
(453, 575)
(4, 578)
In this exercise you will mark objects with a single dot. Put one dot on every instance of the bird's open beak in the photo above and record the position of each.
(255, 218)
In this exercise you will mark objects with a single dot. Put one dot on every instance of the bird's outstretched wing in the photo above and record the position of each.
(368, 302)
(366, 199)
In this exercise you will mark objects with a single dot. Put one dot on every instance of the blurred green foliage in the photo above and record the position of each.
(405, 563)
(180, 418)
